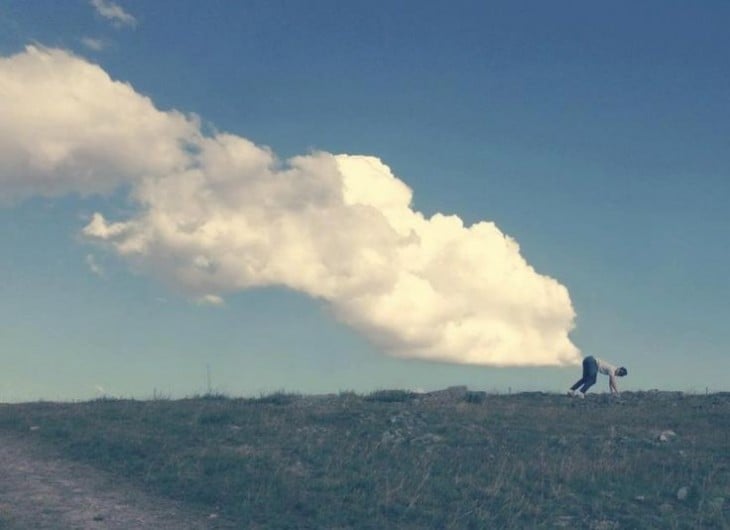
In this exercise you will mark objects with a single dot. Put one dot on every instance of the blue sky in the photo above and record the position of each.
(595, 135)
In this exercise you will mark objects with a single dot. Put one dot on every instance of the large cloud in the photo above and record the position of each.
(218, 214)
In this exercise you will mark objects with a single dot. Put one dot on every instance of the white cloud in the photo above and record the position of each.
(113, 12)
(218, 214)
(93, 44)
(94, 267)
(211, 299)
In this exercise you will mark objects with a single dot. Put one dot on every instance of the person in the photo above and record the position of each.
(591, 368)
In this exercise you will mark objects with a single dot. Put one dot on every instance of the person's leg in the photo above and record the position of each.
(582, 380)
(590, 372)
(588, 384)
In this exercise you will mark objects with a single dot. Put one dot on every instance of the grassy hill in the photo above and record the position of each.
(393, 459)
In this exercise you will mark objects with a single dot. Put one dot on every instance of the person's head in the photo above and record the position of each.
(621, 371)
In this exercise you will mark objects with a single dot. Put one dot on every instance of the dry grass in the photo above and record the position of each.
(394, 459)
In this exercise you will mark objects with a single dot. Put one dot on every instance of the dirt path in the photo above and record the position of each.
(40, 492)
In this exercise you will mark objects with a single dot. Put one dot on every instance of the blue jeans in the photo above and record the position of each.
(590, 372)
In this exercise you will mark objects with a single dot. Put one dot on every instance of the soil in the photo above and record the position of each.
(40, 491)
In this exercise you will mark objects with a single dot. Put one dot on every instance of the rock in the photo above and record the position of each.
(391, 437)
(666, 508)
(666, 436)
(475, 397)
(450, 394)
(428, 438)
(604, 524)
(682, 493)
(716, 504)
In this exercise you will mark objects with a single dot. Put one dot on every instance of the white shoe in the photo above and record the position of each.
(571, 393)
(580, 395)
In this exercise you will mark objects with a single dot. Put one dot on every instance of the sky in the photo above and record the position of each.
(328, 196)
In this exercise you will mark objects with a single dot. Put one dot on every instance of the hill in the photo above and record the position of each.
(395, 459)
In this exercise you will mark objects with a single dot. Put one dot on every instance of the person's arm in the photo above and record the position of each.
(612, 384)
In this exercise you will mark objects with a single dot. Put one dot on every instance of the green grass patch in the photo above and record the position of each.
(395, 459)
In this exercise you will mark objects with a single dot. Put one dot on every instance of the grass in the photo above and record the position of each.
(394, 459)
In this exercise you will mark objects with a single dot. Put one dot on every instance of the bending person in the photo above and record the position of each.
(591, 368)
